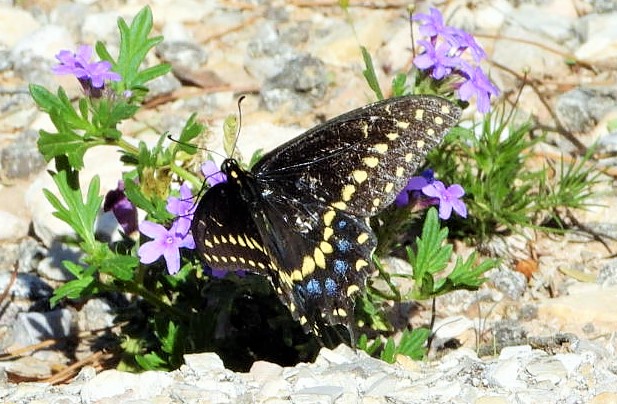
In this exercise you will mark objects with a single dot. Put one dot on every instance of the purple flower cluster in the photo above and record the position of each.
(442, 57)
(167, 242)
(425, 190)
(91, 75)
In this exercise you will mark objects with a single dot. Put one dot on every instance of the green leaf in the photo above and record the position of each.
(411, 344)
(65, 144)
(191, 130)
(151, 361)
(134, 46)
(44, 98)
(75, 289)
(153, 72)
(78, 214)
(120, 266)
(399, 85)
(369, 74)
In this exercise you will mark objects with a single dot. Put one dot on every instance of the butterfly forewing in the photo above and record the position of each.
(301, 214)
(361, 160)
(225, 233)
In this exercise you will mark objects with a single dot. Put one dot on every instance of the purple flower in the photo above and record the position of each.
(213, 173)
(441, 57)
(479, 85)
(449, 198)
(91, 75)
(464, 40)
(438, 59)
(221, 273)
(414, 185)
(433, 23)
(183, 208)
(165, 242)
(124, 211)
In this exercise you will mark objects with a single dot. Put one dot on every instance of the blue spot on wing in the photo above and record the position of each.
(313, 287)
(341, 267)
(331, 286)
(341, 224)
(343, 245)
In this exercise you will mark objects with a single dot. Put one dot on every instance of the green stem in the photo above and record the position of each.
(127, 147)
(154, 300)
(187, 175)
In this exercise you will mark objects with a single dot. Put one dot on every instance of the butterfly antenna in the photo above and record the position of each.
(233, 149)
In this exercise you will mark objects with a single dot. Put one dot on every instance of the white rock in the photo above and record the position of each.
(31, 328)
(44, 42)
(111, 383)
(505, 374)
(204, 363)
(13, 227)
(600, 32)
(101, 26)
(16, 23)
(262, 371)
(514, 352)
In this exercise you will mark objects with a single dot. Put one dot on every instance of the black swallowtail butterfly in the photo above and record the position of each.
(300, 215)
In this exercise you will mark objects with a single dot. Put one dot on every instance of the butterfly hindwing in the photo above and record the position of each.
(321, 261)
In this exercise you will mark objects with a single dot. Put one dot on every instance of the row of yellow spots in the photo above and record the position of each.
(232, 259)
(243, 241)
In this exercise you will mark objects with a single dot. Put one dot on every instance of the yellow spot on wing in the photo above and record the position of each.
(241, 241)
(327, 233)
(232, 240)
(408, 157)
(362, 238)
(352, 289)
(223, 240)
(328, 217)
(420, 144)
(445, 109)
(376, 202)
(439, 120)
(419, 114)
(326, 247)
(361, 264)
(389, 187)
(400, 171)
(402, 125)
(208, 244)
(381, 147)
(297, 275)
(393, 135)
(371, 162)
(216, 240)
(308, 267)
(360, 176)
(340, 205)
(348, 191)
(320, 259)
